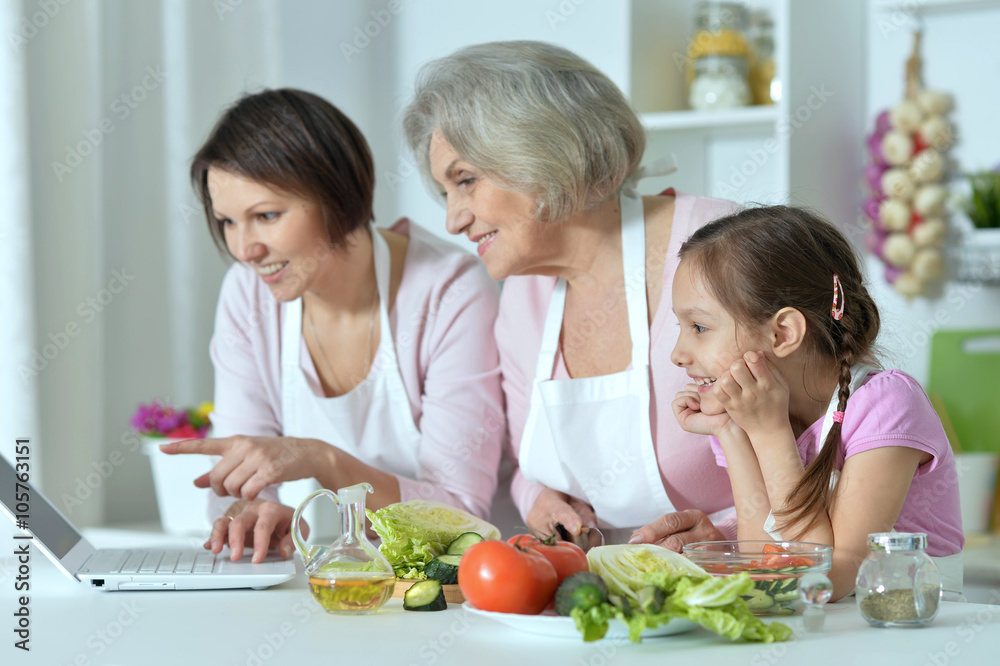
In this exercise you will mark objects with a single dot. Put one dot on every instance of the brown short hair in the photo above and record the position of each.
(760, 260)
(297, 142)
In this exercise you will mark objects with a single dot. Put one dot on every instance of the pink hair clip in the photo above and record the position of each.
(837, 313)
(838, 417)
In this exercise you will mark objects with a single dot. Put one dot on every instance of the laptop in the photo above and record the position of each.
(126, 569)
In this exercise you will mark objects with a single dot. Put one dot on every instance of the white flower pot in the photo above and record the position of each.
(977, 482)
(183, 507)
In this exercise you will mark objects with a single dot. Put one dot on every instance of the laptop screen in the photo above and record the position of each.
(44, 520)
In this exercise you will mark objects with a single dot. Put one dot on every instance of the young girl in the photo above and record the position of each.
(819, 443)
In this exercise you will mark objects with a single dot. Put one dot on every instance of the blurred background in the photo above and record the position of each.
(109, 276)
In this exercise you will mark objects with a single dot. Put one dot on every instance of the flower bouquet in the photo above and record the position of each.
(158, 419)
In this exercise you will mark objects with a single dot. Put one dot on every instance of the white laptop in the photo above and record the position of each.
(124, 569)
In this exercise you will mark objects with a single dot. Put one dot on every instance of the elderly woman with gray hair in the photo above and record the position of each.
(534, 152)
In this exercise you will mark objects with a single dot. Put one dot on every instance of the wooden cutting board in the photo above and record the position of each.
(452, 594)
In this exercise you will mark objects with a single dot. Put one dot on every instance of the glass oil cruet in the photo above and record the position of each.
(349, 576)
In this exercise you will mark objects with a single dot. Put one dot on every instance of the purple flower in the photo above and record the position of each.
(157, 419)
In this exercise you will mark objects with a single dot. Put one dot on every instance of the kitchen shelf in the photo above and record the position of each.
(750, 117)
(937, 6)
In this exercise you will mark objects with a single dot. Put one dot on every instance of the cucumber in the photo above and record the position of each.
(463, 542)
(651, 599)
(759, 600)
(791, 585)
(444, 569)
(582, 590)
(784, 597)
(425, 595)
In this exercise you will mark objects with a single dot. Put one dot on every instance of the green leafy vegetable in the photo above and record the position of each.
(593, 622)
(414, 533)
(714, 603)
(623, 566)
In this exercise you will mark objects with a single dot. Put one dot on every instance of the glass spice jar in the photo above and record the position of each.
(763, 86)
(720, 32)
(720, 82)
(898, 584)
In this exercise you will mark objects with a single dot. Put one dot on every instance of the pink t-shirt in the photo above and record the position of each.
(690, 477)
(891, 409)
(441, 322)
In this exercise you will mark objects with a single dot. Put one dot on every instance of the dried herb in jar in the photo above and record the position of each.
(901, 605)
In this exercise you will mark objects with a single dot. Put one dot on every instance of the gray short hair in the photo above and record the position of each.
(534, 117)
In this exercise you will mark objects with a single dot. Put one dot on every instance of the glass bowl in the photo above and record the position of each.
(774, 566)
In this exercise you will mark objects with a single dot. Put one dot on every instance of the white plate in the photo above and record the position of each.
(558, 626)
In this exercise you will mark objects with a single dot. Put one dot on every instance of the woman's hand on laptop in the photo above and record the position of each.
(258, 523)
(250, 464)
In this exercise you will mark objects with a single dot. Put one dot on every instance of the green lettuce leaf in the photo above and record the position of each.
(623, 566)
(414, 533)
(714, 603)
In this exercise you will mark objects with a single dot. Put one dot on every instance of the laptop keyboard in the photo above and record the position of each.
(150, 562)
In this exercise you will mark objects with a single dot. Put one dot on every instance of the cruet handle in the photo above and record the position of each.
(307, 552)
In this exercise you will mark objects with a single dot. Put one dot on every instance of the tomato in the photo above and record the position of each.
(778, 558)
(567, 558)
(500, 577)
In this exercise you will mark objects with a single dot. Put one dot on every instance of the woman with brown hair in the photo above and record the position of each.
(342, 352)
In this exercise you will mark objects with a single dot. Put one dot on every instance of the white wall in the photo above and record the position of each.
(363, 57)
(961, 57)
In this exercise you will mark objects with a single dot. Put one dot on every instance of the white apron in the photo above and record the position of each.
(949, 566)
(591, 437)
(372, 422)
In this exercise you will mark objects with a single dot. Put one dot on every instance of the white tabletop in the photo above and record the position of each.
(71, 624)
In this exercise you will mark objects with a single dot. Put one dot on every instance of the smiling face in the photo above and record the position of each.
(710, 339)
(278, 234)
(509, 239)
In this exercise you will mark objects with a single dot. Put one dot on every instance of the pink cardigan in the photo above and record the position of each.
(441, 321)
(687, 465)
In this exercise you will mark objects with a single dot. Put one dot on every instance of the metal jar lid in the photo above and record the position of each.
(898, 541)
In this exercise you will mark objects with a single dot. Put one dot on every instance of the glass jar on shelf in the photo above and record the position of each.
(898, 584)
(764, 88)
(720, 82)
(720, 39)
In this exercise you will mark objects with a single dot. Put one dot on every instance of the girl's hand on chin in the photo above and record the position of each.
(687, 406)
(754, 393)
